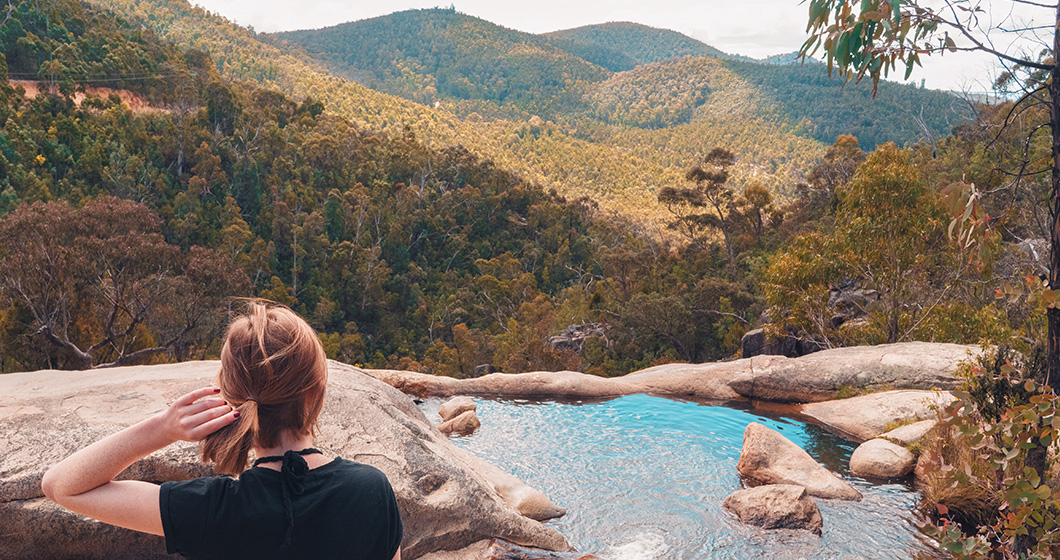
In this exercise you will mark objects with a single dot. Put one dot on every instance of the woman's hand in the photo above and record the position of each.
(196, 415)
(84, 482)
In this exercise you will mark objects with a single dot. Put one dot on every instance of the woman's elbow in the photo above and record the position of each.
(51, 485)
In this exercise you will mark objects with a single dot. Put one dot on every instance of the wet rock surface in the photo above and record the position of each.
(768, 457)
(776, 506)
(879, 458)
(454, 407)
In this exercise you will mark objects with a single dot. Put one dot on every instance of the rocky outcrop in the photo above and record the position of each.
(768, 457)
(849, 302)
(448, 499)
(868, 416)
(454, 407)
(756, 343)
(820, 376)
(463, 424)
(574, 336)
(817, 377)
(776, 506)
(879, 458)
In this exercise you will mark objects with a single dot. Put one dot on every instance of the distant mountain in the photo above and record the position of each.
(631, 44)
(425, 55)
(824, 107)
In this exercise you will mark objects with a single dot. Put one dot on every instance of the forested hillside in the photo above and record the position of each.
(624, 45)
(618, 73)
(425, 55)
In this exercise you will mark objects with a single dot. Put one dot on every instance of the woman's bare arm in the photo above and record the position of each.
(84, 482)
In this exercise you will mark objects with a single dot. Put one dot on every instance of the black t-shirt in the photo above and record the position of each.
(346, 511)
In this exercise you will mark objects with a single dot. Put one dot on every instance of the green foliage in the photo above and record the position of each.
(888, 236)
(993, 440)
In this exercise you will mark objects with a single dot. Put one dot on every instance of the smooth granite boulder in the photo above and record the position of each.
(879, 458)
(816, 377)
(454, 407)
(776, 506)
(821, 375)
(768, 457)
(446, 496)
(462, 424)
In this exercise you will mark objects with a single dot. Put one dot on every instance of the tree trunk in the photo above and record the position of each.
(1036, 457)
(1053, 314)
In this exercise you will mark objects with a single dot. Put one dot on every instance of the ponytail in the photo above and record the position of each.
(229, 447)
(274, 372)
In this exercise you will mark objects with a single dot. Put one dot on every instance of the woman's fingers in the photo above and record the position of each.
(196, 395)
(210, 426)
(193, 421)
(201, 405)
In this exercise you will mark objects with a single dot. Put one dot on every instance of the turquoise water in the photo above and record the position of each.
(644, 477)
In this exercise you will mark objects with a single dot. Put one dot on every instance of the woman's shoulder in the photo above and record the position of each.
(355, 469)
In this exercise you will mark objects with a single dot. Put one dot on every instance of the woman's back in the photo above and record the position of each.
(343, 510)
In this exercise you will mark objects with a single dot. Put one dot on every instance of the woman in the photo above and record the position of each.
(293, 502)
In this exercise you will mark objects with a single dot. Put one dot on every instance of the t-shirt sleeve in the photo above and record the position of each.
(185, 508)
(395, 530)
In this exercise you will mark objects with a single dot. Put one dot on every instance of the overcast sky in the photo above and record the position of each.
(755, 28)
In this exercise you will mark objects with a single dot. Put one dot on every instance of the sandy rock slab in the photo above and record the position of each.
(879, 458)
(448, 498)
(776, 506)
(868, 416)
(768, 457)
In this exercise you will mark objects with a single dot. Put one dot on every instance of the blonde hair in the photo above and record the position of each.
(274, 372)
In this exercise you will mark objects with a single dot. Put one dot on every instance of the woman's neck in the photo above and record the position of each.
(290, 442)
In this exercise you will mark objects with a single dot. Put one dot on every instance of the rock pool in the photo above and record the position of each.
(644, 477)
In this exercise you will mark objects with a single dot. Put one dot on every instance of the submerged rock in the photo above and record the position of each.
(879, 458)
(448, 498)
(496, 549)
(768, 457)
(463, 424)
(776, 506)
(454, 407)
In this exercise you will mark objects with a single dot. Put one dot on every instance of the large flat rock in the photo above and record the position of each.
(816, 377)
(698, 381)
(537, 384)
(449, 499)
(869, 416)
(820, 376)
